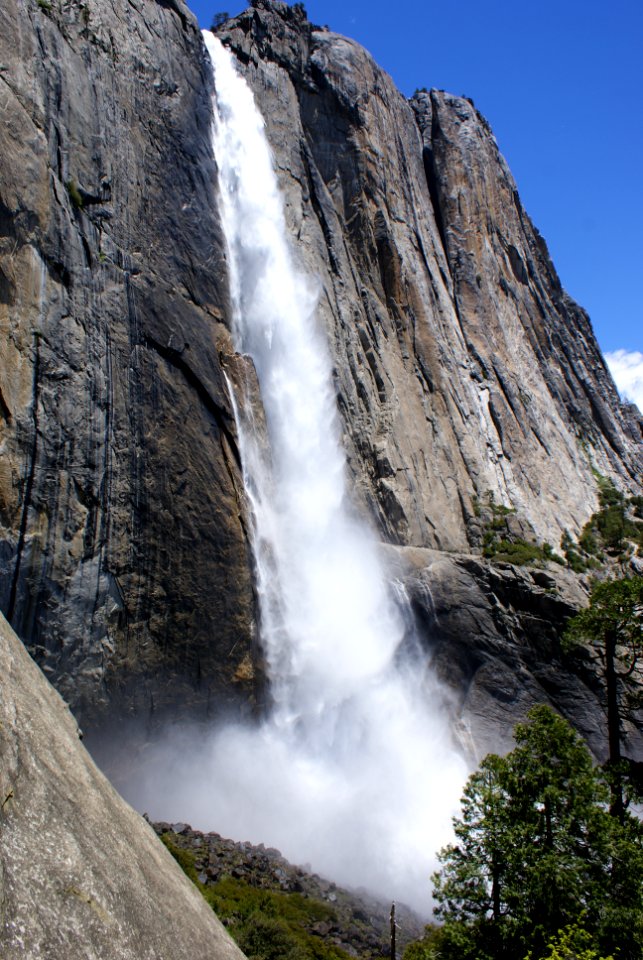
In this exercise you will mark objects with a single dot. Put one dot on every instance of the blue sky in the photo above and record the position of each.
(561, 83)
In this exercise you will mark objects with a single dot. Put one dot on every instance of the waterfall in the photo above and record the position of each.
(353, 771)
(329, 627)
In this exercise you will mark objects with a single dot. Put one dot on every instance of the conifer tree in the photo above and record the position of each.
(613, 625)
(536, 849)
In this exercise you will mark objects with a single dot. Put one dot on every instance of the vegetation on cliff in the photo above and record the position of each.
(266, 924)
(614, 533)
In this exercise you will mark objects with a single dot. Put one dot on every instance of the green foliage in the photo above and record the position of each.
(572, 943)
(74, 194)
(610, 523)
(615, 606)
(609, 532)
(219, 19)
(428, 948)
(577, 555)
(266, 924)
(245, 908)
(268, 938)
(300, 11)
(184, 858)
(498, 543)
(608, 495)
(44, 5)
(518, 551)
(536, 847)
(587, 541)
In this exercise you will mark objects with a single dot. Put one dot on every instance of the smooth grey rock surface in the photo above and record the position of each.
(82, 876)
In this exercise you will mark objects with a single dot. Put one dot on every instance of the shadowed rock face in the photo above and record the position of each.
(492, 633)
(461, 366)
(124, 563)
(82, 876)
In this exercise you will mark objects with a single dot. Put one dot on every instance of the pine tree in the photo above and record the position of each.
(537, 849)
(613, 625)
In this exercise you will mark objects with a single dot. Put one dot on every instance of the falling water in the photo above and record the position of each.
(353, 771)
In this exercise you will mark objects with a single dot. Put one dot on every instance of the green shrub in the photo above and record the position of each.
(608, 495)
(499, 543)
(587, 541)
(74, 194)
(514, 551)
(268, 938)
(610, 530)
(571, 943)
(266, 924)
(185, 858)
(219, 19)
(428, 948)
(518, 551)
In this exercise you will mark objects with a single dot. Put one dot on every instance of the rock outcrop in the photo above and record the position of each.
(124, 562)
(492, 632)
(82, 876)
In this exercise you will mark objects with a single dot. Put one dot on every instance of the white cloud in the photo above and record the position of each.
(627, 369)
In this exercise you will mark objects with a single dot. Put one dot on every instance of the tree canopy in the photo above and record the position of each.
(613, 625)
(536, 849)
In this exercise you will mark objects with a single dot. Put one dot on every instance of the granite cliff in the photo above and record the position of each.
(461, 364)
(81, 874)
(462, 369)
(125, 563)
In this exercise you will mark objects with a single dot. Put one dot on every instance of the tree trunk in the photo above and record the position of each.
(495, 890)
(617, 808)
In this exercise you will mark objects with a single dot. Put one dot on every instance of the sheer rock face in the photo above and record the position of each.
(492, 634)
(82, 876)
(124, 562)
(462, 367)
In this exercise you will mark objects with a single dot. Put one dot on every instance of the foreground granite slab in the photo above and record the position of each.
(82, 875)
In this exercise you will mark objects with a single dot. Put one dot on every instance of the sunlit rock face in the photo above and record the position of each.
(460, 366)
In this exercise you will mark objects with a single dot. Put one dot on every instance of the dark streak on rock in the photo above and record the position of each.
(219, 413)
(35, 396)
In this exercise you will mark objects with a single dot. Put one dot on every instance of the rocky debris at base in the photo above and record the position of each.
(361, 923)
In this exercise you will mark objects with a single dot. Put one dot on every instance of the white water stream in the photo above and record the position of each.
(354, 771)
